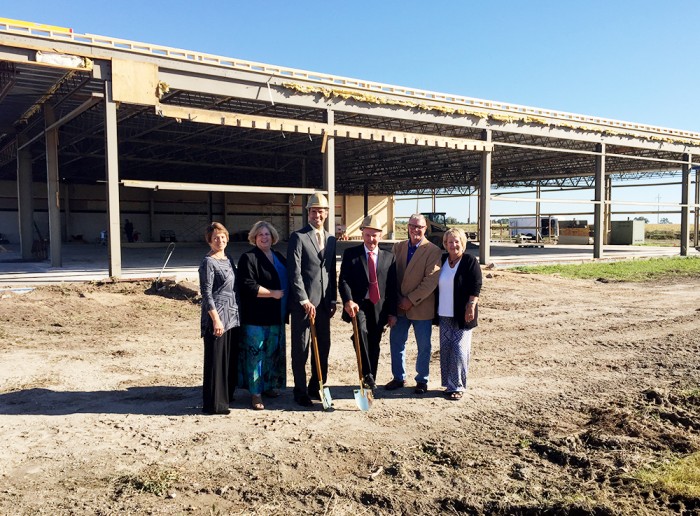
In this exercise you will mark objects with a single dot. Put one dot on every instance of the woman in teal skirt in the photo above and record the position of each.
(262, 277)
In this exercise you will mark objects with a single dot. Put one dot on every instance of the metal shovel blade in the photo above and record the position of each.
(363, 399)
(326, 399)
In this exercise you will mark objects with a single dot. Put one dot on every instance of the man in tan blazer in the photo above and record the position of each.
(417, 270)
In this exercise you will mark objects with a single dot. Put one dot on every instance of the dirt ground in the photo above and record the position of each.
(574, 385)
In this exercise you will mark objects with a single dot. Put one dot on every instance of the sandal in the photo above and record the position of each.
(256, 403)
(454, 396)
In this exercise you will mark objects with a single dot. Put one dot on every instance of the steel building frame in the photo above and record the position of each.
(142, 115)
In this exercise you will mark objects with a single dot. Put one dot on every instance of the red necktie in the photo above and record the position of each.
(373, 284)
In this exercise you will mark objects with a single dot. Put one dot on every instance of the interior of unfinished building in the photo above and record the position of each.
(95, 130)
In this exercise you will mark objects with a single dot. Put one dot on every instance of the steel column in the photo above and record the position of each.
(599, 207)
(696, 220)
(112, 174)
(329, 171)
(52, 196)
(25, 200)
(485, 203)
(538, 214)
(685, 209)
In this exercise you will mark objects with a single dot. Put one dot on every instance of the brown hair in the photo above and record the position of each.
(211, 228)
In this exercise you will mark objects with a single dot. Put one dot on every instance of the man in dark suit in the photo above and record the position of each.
(367, 287)
(312, 293)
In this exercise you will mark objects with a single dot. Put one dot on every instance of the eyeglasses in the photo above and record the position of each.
(414, 226)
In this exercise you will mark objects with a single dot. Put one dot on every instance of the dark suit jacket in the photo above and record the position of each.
(467, 283)
(311, 273)
(354, 281)
(254, 271)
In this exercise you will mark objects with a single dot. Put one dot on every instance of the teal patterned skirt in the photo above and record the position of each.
(262, 358)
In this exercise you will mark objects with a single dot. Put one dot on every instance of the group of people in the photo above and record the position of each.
(245, 308)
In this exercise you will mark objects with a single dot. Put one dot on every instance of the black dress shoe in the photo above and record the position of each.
(304, 400)
(369, 382)
(395, 384)
(315, 395)
(421, 388)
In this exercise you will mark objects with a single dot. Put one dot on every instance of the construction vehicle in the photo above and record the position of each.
(437, 226)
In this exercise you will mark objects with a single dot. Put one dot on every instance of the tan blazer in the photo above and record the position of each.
(418, 281)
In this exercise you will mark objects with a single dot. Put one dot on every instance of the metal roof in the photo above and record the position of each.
(530, 145)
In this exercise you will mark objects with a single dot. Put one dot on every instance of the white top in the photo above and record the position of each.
(446, 284)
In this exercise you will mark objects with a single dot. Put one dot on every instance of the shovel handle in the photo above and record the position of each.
(356, 337)
(314, 345)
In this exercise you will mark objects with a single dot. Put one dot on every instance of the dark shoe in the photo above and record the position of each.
(315, 395)
(272, 393)
(369, 382)
(304, 400)
(395, 384)
(421, 388)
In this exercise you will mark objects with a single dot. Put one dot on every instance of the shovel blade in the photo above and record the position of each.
(326, 399)
(363, 399)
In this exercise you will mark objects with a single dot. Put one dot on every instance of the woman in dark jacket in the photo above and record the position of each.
(262, 276)
(457, 298)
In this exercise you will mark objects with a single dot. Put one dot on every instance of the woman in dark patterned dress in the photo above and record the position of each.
(457, 297)
(219, 322)
(262, 276)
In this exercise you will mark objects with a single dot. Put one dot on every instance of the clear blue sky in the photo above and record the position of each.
(633, 60)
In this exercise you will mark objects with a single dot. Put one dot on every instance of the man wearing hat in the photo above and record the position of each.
(367, 286)
(312, 293)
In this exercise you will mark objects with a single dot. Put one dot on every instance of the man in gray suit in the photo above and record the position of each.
(312, 293)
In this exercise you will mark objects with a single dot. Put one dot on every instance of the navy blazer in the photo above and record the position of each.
(354, 281)
(254, 271)
(467, 283)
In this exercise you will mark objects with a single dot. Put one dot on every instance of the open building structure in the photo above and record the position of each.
(95, 130)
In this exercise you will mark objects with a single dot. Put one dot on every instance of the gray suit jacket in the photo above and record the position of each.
(311, 273)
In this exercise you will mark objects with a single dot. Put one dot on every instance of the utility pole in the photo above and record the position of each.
(658, 208)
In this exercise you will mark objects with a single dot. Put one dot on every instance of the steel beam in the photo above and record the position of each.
(206, 187)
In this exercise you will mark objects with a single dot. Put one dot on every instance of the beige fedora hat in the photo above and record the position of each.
(371, 222)
(317, 200)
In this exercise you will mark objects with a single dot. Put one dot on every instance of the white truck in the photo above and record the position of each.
(527, 227)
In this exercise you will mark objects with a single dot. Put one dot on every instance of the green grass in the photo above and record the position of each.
(152, 480)
(628, 270)
(680, 477)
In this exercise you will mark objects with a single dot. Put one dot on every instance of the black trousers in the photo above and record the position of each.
(301, 342)
(220, 372)
(370, 337)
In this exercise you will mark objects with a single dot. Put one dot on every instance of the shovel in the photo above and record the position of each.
(324, 392)
(363, 398)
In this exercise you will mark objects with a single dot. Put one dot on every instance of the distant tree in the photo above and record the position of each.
(646, 220)
(664, 220)
(451, 220)
(501, 221)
